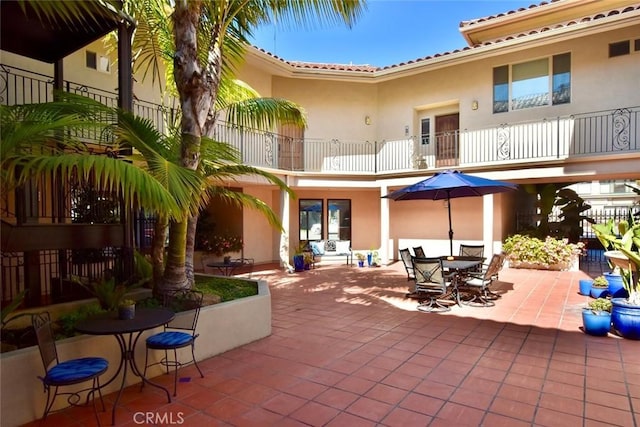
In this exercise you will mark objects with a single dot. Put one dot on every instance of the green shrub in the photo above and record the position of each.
(66, 323)
(600, 304)
(521, 248)
(600, 282)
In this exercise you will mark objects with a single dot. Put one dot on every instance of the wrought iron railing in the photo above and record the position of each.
(604, 132)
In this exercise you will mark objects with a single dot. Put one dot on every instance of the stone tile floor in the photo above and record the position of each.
(348, 349)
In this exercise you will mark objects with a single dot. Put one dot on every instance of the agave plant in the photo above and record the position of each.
(622, 243)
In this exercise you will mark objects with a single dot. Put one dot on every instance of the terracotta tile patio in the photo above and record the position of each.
(348, 349)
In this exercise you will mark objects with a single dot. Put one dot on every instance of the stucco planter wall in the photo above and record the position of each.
(221, 327)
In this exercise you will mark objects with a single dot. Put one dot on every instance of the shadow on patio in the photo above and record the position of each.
(348, 349)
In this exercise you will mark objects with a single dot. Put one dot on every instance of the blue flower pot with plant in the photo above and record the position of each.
(585, 286)
(596, 318)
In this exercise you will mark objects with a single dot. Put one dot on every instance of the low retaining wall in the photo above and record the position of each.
(222, 327)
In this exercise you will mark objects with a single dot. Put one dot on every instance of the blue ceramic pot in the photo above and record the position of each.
(599, 292)
(298, 262)
(585, 286)
(597, 324)
(616, 285)
(625, 318)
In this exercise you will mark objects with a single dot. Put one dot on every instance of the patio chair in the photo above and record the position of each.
(472, 250)
(179, 333)
(68, 373)
(418, 252)
(432, 282)
(405, 256)
(479, 283)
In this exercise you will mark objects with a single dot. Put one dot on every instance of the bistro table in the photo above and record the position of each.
(459, 265)
(127, 333)
(229, 267)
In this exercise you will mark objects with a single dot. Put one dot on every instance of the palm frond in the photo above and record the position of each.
(266, 113)
(109, 174)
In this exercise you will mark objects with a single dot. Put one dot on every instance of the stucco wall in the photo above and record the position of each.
(334, 109)
(365, 214)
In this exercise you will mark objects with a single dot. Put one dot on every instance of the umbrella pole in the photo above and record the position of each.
(450, 228)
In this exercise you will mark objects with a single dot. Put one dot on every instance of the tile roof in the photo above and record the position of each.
(503, 14)
(366, 68)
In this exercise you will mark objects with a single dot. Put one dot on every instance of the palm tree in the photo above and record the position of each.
(203, 40)
(36, 142)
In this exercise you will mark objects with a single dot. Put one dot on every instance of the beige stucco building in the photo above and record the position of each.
(548, 93)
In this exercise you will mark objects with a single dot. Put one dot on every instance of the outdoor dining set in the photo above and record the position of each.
(442, 281)
(178, 316)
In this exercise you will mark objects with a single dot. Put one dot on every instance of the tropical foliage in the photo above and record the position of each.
(198, 42)
(548, 252)
(622, 241)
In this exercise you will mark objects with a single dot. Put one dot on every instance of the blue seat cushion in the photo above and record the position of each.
(76, 370)
(169, 339)
(317, 248)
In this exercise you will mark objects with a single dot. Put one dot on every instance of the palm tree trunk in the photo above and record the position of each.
(157, 248)
(190, 245)
(175, 271)
(197, 87)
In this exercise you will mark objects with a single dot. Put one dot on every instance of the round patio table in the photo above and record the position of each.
(458, 265)
(127, 333)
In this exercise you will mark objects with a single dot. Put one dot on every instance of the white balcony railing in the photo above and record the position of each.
(595, 133)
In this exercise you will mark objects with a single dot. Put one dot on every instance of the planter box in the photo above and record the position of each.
(222, 327)
(573, 266)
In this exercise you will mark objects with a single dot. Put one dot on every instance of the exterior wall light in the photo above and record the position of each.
(474, 105)
(367, 120)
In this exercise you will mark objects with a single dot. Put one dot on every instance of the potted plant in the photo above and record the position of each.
(308, 260)
(607, 234)
(361, 257)
(126, 309)
(622, 245)
(585, 286)
(596, 318)
(298, 257)
(599, 287)
(107, 290)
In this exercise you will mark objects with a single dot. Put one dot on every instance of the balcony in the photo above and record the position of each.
(608, 132)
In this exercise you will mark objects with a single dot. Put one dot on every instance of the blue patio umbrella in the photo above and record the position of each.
(448, 185)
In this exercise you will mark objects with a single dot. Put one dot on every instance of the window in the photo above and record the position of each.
(532, 84)
(619, 48)
(425, 131)
(310, 219)
(97, 62)
(339, 219)
(91, 60)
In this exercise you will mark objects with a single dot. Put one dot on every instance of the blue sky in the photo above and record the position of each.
(389, 32)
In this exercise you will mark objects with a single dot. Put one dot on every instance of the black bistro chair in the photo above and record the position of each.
(419, 252)
(68, 373)
(405, 256)
(432, 282)
(177, 334)
(472, 251)
(479, 283)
